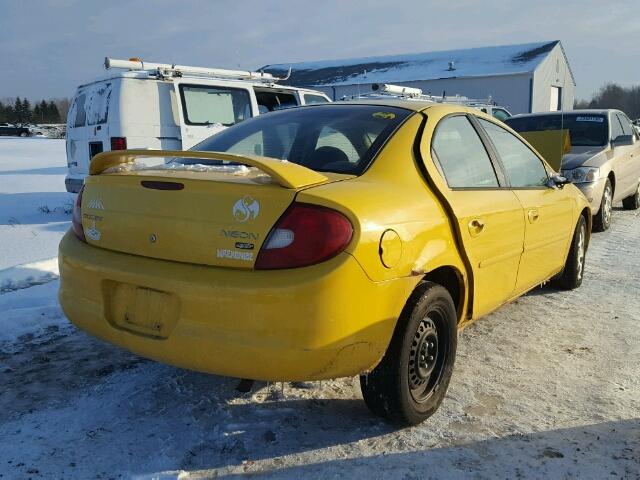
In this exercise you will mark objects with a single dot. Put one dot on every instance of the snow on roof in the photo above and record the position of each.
(502, 60)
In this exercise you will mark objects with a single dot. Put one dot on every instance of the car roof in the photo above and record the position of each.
(411, 104)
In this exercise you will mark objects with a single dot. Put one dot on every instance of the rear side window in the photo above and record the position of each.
(311, 99)
(616, 127)
(522, 166)
(500, 114)
(463, 160)
(328, 138)
(204, 105)
(627, 129)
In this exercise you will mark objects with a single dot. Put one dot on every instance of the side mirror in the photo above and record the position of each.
(622, 140)
(557, 181)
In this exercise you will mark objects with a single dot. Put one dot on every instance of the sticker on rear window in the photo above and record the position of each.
(385, 115)
(590, 119)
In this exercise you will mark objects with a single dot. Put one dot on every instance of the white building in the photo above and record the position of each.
(532, 77)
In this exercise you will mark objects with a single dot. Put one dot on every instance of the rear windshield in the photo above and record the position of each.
(327, 138)
(584, 130)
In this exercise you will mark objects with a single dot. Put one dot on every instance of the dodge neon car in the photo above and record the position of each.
(321, 242)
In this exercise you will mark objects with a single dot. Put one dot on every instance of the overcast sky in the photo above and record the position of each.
(48, 47)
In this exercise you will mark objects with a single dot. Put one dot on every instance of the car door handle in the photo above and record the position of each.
(533, 215)
(476, 226)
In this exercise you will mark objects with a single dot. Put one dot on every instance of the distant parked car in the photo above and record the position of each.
(604, 161)
(500, 113)
(7, 129)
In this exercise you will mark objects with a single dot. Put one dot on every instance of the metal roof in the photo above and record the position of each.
(483, 61)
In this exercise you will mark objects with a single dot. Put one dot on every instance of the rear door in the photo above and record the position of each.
(489, 218)
(87, 128)
(548, 211)
(208, 108)
(77, 134)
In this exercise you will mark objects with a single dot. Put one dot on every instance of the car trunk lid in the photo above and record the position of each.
(212, 216)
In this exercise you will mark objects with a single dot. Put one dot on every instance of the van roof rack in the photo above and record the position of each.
(173, 70)
(387, 90)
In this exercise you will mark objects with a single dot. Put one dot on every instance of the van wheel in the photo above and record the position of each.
(571, 276)
(602, 219)
(23, 134)
(410, 382)
(632, 202)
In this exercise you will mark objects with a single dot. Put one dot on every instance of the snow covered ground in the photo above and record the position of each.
(547, 387)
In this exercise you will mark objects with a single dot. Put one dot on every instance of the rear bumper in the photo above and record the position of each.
(325, 321)
(73, 183)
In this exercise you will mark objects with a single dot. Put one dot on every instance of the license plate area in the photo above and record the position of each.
(141, 310)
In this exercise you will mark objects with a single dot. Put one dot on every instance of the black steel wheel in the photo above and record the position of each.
(571, 276)
(411, 381)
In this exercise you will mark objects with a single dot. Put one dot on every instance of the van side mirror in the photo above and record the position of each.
(557, 181)
(622, 140)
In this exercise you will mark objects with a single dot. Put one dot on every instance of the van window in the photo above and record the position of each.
(270, 101)
(204, 105)
(97, 108)
(311, 99)
(81, 114)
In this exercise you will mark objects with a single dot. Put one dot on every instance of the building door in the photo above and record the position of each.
(555, 101)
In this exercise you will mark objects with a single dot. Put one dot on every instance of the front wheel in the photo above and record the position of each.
(573, 272)
(411, 381)
(602, 219)
(23, 134)
(632, 202)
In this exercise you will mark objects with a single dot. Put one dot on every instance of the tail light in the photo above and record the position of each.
(304, 235)
(118, 143)
(76, 219)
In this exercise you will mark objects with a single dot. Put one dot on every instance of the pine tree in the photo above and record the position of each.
(54, 114)
(17, 111)
(26, 110)
(37, 114)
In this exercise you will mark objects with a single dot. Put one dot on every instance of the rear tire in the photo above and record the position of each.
(602, 219)
(571, 276)
(632, 202)
(23, 134)
(410, 382)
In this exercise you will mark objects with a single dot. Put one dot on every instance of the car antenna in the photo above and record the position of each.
(562, 139)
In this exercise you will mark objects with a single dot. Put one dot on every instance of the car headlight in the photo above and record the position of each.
(582, 174)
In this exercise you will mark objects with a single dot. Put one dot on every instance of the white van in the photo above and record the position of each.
(168, 107)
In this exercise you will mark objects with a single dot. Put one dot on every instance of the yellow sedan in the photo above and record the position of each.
(321, 242)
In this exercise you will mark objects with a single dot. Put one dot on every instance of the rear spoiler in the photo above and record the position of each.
(285, 174)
